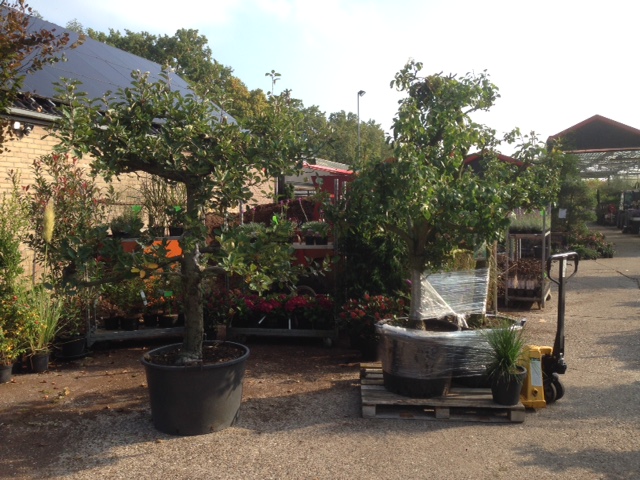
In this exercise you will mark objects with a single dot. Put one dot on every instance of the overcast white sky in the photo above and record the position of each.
(556, 62)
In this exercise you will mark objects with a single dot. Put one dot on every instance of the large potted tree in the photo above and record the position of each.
(431, 199)
(150, 128)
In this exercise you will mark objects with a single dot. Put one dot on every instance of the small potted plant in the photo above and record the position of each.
(283, 229)
(154, 192)
(127, 225)
(43, 326)
(252, 230)
(318, 231)
(71, 341)
(176, 216)
(505, 374)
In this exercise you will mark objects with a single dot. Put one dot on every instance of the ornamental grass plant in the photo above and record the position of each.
(506, 345)
(45, 321)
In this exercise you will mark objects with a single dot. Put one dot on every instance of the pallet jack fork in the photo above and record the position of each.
(545, 364)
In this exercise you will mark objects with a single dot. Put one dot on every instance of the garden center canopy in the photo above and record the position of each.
(604, 148)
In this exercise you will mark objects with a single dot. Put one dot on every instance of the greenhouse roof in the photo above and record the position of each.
(608, 163)
(604, 147)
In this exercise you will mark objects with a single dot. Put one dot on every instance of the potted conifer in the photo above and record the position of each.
(505, 374)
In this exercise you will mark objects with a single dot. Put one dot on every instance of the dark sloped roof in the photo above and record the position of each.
(100, 68)
(597, 133)
(604, 147)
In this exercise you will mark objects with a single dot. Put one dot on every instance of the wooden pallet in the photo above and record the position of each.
(463, 404)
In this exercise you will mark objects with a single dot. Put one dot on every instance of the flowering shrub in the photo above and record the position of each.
(308, 311)
(238, 309)
(590, 245)
(80, 206)
(15, 314)
(358, 316)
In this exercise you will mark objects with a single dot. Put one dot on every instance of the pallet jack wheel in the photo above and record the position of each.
(550, 392)
(558, 386)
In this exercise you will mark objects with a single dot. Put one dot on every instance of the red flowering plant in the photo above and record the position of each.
(230, 307)
(81, 206)
(358, 316)
(271, 311)
(277, 310)
(307, 311)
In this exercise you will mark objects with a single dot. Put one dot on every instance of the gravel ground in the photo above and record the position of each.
(592, 433)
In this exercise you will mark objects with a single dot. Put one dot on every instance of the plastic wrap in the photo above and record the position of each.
(459, 293)
(431, 355)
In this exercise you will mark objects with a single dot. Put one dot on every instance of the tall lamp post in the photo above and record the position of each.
(360, 93)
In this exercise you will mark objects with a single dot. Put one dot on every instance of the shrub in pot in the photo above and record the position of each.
(71, 341)
(428, 195)
(127, 225)
(217, 161)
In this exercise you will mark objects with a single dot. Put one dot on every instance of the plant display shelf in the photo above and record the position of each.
(514, 253)
(100, 335)
(329, 336)
(460, 404)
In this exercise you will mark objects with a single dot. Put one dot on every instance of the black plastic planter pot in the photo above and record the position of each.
(71, 347)
(195, 400)
(507, 391)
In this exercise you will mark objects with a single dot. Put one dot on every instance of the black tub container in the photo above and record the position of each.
(194, 400)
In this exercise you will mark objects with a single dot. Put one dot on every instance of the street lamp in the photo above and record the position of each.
(360, 93)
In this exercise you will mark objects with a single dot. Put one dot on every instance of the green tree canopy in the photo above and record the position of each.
(427, 195)
(576, 197)
(150, 128)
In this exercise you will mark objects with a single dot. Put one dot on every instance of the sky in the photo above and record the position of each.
(555, 62)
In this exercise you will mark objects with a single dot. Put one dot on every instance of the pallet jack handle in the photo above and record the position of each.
(563, 259)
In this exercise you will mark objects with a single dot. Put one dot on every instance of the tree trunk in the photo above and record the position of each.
(426, 302)
(193, 311)
(192, 291)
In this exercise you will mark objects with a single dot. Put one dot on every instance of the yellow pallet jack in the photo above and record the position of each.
(545, 364)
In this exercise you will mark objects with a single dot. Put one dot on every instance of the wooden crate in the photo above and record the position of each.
(462, 404)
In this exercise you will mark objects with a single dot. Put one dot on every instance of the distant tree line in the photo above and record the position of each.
(187, 53)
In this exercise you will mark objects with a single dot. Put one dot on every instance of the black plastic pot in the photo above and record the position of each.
(195, 400)
(416, 387)
(112, 323)
(71, 347)
(150, 320)
(506, 391)
(168, 320)
(5, 373)
(130, 323)
(176, 231)
(38, 363)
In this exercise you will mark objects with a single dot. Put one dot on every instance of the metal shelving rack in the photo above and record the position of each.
(514, 253)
